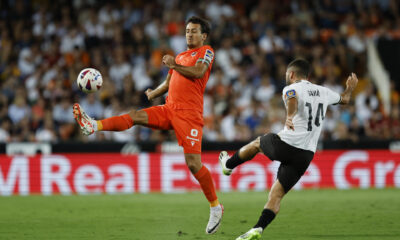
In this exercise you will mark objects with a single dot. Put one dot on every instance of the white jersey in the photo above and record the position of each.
(312, 102)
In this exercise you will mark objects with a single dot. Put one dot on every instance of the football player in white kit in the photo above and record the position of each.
(295, 145)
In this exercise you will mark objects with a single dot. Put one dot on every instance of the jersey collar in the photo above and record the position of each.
(302, 80)
(194, 49)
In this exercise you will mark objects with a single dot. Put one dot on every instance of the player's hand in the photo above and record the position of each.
(149, 94)
(289, 124)
(169, 61)
(352, 81)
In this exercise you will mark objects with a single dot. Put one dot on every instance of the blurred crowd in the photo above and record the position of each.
(44, 44)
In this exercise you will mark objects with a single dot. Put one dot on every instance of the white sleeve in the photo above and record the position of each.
(283, 95)
(291, 91)
(332, 97)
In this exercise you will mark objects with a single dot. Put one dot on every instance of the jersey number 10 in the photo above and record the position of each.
(320, 114)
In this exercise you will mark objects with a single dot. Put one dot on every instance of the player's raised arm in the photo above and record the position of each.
(160, 90)
(196, 71)
(351, 84)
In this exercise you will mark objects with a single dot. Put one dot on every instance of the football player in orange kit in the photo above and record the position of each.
(183, 110)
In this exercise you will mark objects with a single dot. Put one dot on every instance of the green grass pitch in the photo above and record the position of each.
(307, 214)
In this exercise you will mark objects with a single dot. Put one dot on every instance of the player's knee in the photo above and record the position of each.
(193, 164)
(138, 117)
(132, 113)
(256, 144)
(194, 167)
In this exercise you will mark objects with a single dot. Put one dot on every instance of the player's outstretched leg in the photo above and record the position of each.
(86, 123)
(268, 214)
(115, 123)
(244, 154)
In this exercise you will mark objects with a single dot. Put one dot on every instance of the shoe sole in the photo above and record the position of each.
(216, 227)
(77, 116)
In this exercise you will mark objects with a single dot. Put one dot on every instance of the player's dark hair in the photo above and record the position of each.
(300, 67)
(205, 25)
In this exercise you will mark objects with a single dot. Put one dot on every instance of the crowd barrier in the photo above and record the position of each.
(151, 146)
(94, 173)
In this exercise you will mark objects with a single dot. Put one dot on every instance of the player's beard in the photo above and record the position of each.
(191, 46)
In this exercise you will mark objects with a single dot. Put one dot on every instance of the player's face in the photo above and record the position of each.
(194, 37)
(288, 75)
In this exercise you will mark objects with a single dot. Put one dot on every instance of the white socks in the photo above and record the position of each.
(216, 208)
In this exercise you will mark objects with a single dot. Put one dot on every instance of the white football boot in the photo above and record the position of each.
(252, 234)
(215, 219)
(223, 157)
(84, 121)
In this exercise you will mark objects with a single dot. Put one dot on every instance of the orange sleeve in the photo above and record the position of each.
(206, 55)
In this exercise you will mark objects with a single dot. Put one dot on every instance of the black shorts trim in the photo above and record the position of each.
(294, 161)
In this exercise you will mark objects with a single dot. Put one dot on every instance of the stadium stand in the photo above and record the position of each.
(45, 44)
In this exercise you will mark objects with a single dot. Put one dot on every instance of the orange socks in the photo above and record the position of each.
(117, 123)
(207, 185)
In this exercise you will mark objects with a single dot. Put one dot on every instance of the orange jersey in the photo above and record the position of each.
(186, 93)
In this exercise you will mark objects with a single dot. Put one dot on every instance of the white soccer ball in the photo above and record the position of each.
(89, 80)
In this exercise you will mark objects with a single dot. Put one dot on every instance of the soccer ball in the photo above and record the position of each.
(89, 80)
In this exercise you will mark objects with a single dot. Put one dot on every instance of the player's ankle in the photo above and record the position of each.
(265, 219)
(214, 203)
(234, 161)
(97, 125)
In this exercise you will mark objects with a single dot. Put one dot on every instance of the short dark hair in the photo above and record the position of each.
(205, 25)
(301, 67)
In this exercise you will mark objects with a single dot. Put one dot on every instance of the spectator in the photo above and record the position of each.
(366, 103)
(266, 91)
(5, 131)
(93, 106)
(46, 134)
(120, 68)
(18, 110)
(41, 54)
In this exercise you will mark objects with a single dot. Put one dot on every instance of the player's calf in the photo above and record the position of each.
(116, 123)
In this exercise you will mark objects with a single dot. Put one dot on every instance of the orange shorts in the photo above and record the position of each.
(188, 125)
